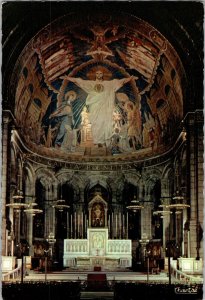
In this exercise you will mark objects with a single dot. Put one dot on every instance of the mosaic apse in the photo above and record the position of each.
(99, 86)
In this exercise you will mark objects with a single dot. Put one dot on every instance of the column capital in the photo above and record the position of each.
(7, 116)
(192, 117)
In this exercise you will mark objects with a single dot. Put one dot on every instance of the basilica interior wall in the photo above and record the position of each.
(152, 185)
(99, 110)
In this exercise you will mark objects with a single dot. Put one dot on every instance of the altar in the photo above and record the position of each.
(97, 250)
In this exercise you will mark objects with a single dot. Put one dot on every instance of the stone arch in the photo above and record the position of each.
(49, 183)
(19, 173)
(98, 184)
(133, 178)
(177, 171)
(152, 186)
(152, 172)
(167, 180)
(71, 181)
(150, 177)
(30, 179)
(72, 178)
(14, 146)
(166, 170)
(98, 179)
(119, 187)
(184, 169)
(13, 167)
(46, 175)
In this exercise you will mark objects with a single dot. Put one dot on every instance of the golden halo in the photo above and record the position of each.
(107, 75)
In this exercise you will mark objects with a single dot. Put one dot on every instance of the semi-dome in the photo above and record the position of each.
(134, 110)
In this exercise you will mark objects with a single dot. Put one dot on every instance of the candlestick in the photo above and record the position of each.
(78, 225)
(71, 226)
(120, 224)
(123, 225)
(67, 234)
(112, 226)
(74, 225)
(82, 223)
(127, 225)
(116, 226)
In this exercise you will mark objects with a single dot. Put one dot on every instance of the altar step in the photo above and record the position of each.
(97, 295)
(92, 270)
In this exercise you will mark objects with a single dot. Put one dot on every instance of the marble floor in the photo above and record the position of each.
(82, 276)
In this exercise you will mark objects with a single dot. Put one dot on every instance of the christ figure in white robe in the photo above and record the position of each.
(100, 100)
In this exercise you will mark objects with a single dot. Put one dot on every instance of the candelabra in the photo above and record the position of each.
(17, 205)
(51, 241)
(144, 242)
(61, 218)
(46, 251)
(60, 205)
(174, 206)
(135, 205)
(32, 210)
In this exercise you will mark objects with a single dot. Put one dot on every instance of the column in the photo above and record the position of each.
(123, 226)
(71, 225)
(67, 224)
(85, 226)
(116, 225)
(30, 232)
(127, 226)
(165, 195)
(50, 211)
(146, 220)
(29, 217)
(82, 224)
(184, 218)
(120, 225)
(195, 161)
(106, 223)
(5, 144)
(89, 219)
(11, 218)
(75, 224)
(115, 222)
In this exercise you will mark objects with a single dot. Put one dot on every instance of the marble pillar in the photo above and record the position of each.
(5, 145)
(196, 150)
(146, 220)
